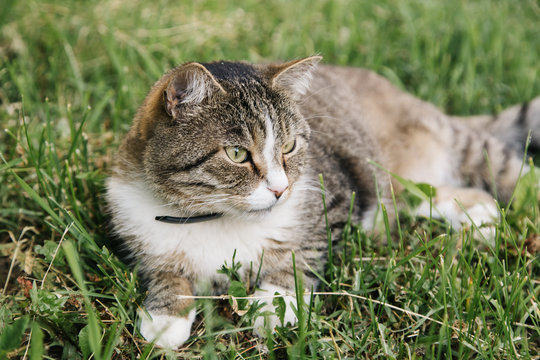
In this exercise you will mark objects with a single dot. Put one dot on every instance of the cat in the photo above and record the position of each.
(223, 158)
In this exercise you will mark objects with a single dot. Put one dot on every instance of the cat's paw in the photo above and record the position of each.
(266, 322)
(483, 216)
(165, 330)
(464, 207)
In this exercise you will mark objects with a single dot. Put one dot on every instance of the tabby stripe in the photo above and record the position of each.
(311, 275)
(255, 168)
(457, 135)
(336, 201)
(197, 162)
(198, 184)
(311, 247)
(522, 115)
(485, 146)
(158, 305)
(487, 185)
(486, 158)
(466, 151)
(486, 161)
(507, 155)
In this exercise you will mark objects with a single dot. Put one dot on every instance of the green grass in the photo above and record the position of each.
(72, 75)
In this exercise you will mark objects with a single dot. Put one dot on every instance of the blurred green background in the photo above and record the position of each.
(466, 56)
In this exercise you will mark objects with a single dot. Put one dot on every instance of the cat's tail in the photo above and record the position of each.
(512, 125)
(487, 157)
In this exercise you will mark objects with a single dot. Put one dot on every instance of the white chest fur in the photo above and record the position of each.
(206, 245)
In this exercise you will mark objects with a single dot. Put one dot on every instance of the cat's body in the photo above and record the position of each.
(232, 139)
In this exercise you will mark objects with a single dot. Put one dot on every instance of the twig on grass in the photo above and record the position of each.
(344, 293)
(54, 255)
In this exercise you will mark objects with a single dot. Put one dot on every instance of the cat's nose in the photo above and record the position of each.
(278, 191)
(276, 181)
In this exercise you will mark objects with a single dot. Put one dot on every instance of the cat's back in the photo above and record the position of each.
(361, 95)
(357, 108)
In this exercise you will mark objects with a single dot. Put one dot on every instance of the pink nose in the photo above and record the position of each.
(278, 191)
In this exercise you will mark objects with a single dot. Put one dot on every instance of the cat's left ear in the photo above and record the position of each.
(294, 75)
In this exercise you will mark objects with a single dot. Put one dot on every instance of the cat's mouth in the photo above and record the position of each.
(264, 209)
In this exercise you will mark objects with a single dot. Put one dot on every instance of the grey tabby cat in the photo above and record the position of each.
(231, 152)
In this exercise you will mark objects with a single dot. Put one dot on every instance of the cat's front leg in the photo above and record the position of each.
(167, 320)
(280, 279)
(268, 320)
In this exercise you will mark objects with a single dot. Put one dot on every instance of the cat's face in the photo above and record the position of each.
(240, 150)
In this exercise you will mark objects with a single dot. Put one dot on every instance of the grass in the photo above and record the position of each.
(73, 74)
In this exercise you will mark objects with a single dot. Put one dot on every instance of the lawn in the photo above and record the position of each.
(72, 74)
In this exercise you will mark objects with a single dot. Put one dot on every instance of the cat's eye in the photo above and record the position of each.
(288, 146)
(236, 153)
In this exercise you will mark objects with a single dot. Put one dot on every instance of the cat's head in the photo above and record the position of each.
(223, 137)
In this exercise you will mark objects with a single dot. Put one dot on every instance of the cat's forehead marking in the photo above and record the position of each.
(269, 140)
(275, 175)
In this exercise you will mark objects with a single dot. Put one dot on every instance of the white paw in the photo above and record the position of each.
(467, 208)
(165, 330)
(262, 323)
(480, 214)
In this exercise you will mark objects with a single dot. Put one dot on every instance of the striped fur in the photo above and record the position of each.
(512, 125)
(173, 162)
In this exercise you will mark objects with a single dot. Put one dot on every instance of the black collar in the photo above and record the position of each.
(187, 220)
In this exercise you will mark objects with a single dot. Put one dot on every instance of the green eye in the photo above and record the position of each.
(236, 154)
(288, 146)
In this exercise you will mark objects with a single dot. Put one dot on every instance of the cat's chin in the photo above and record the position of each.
(256, 214)
(262, 211)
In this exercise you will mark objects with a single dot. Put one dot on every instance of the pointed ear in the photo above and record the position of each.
(295, 75)
(191, 84)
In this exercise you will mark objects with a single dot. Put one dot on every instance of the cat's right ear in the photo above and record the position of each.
(294, 75)
(190, 84)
